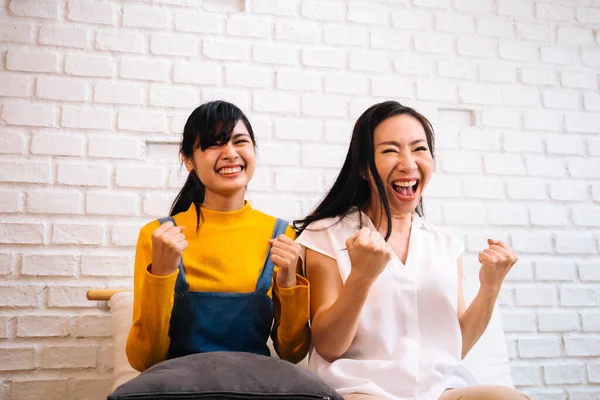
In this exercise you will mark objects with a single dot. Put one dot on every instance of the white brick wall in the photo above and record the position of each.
(88, 89)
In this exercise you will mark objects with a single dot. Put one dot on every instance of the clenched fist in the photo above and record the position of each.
(168, 243)
(369, 254)
(285, 254)
(495, 261)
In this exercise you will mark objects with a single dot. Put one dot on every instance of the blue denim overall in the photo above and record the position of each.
(221, 321)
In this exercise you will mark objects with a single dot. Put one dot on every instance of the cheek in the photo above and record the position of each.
(249, 157)
(249, 154)
(426, 167)
(384, 165)
(250, 170)
(204, 166)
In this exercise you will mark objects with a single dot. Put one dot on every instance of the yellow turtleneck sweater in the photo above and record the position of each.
(226, 254)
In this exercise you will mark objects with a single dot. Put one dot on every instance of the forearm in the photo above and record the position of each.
(148, 340)
(291, 333)
(334, 328)
(476, 318)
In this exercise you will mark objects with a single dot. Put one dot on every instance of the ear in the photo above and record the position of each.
(189, 165)
(364, 174)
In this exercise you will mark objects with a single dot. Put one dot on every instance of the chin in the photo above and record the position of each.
(403, 207)
(231, 189)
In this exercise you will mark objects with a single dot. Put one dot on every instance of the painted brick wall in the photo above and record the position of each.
(93, 94)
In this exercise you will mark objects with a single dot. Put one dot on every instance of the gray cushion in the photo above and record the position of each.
(225, 375)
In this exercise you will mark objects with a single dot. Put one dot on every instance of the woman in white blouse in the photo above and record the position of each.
(389, 320)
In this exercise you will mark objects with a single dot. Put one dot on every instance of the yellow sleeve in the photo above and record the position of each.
(291, 307)
(148, 340)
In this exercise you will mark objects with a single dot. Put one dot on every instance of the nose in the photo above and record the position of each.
(406, 162)
(229, 152)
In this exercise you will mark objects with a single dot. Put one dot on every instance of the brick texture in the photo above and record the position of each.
(87, 89)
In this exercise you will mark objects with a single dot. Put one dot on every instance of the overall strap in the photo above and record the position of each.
(266, 276)
(181, 283)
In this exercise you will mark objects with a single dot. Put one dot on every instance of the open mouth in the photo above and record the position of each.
(406, 189)
(228, 171)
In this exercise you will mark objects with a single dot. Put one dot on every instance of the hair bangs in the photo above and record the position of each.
(216, 133)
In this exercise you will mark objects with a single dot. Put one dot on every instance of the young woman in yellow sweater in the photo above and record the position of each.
(216, 274)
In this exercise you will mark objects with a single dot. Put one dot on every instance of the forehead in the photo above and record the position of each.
(400, 128)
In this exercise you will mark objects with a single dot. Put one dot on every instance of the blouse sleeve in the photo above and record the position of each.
(457, 246)
(317, 237)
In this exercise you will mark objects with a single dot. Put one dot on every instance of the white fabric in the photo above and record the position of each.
(408, 341)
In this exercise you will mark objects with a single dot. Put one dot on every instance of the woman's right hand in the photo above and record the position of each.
(369, 254)
(168, 243)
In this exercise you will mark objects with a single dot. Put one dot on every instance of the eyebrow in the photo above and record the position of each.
(237, 135)
(394, 143)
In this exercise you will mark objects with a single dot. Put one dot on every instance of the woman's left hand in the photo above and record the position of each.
(495, 261)
(284, 254)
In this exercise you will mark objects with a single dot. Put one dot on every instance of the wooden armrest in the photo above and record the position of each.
(103, 294)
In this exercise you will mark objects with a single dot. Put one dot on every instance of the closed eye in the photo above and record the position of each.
(389, 151)
(421, 148)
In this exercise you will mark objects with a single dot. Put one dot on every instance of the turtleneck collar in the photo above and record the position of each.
(221, 218)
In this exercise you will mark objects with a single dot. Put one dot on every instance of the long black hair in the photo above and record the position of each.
(208, 125)
(349, 188)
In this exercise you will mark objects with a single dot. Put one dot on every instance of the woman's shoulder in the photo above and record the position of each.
(340, 224)
(260, 217)
(435, 229)
(181, 219)
(149, 228)
(442, 236)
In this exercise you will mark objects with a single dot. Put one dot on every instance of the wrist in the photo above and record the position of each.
(158, 271)
(285, 279)
(359, 283)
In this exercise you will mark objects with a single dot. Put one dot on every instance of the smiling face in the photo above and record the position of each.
(403, 161)
(225, 168)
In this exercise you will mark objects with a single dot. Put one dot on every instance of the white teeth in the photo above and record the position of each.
(228, 171)
(405, 184)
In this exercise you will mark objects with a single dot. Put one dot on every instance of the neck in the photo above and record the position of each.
(401, 222)
(223, 202)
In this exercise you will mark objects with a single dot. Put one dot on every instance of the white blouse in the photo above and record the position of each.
(408, 343)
